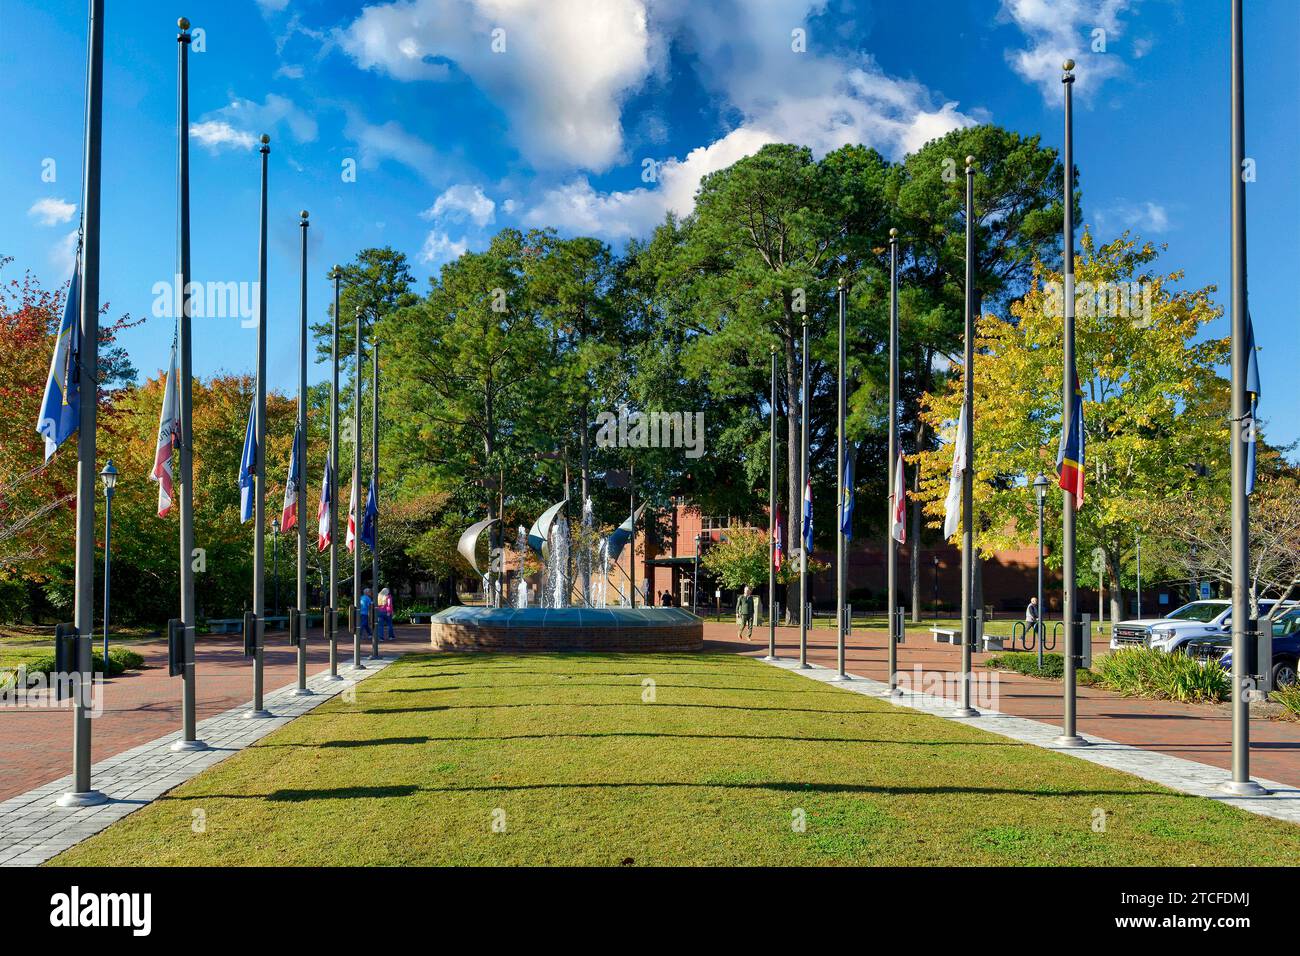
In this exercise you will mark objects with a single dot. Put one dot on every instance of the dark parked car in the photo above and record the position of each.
(1286, 649)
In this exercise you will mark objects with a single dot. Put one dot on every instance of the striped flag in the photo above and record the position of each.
(846, 492)
(369, 517)
(807, 520)
(326, 503)
(351, 539)
(778, 539)
(289, 513)
(1069, 453)
(169, 427)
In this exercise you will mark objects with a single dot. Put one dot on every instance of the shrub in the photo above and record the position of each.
(128, 660)
(1289, 698)
(119, 659)
(1143, 672)
(403, 614)
(1026, 662)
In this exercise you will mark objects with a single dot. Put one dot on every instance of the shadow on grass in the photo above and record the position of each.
(776, 786)
(748, 709)
(384, 741)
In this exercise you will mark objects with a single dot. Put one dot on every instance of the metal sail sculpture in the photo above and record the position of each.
(539, 537)
(620, 536)
(468, 544)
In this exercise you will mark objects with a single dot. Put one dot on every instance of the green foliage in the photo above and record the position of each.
(1289, 698)
(119, 659)
(1026, 662)
(742, 558)
(1143, 672)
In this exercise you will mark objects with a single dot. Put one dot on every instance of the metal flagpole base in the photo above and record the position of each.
(1069, 740)
(840, 678)
(257, 714)
(895, 692)
(805, 666)
(303, 692)
(1244, 788)
(375, 657)
(189, 746)
(965, 712)
(770, 657)
(358, 666)
(333, 677)
(81, 798)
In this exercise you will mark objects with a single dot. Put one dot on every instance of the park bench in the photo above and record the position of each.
(422, 617)
(944, 635)
(234, 625)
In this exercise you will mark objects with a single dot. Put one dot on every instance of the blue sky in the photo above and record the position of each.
(464, 116)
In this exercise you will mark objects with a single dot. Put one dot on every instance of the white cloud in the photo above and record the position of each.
(439, 248)
(215, 134)
(389, 141)
(461, 202)
(561, 79)
(1144, 218)
(290, 71)
(1061, 29)
(823, 102)
(241, 122)
(52, 211)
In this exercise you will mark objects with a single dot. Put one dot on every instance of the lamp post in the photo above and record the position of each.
(109, 477)
(275, 561)
(1040, 492)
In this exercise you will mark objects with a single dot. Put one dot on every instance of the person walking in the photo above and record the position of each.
(1031, 616)
(386, 615)
(749, 611)
(367, 603)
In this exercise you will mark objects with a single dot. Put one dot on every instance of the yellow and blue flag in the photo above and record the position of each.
(248, 465)
(846, 491)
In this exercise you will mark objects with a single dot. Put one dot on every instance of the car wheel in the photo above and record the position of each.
(1284, 673)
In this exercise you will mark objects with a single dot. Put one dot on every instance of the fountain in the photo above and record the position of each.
(568, 615)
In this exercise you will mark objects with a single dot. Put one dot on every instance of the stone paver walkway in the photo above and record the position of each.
(1197, 732)
(1176, 773)
(33, 829)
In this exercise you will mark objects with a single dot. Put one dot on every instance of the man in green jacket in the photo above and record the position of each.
(749, 611)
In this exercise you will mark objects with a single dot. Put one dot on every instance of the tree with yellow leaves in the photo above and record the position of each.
(1154, 409)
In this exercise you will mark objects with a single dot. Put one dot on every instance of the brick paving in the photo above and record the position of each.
(141, 706)
(1198, 732)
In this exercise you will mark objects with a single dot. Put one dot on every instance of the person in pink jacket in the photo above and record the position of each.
(385, 610)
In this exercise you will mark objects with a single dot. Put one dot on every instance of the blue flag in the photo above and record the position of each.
(61, 408)
(248, 465)
(1252, 395)
(368, 518)
(846, 492)
(807, 519)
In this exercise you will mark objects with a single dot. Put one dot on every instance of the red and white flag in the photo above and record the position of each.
(289, 513)
(326, 505)
(169, 428)
(898, 519)
(351, 539)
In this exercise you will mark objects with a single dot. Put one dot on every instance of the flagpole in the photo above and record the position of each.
(771, 518)
(301, 491)
(968, 635)
(374, 487)
(185, 373)
(81, 794)
(355, 516)
(803, 537)
(1243, 627)
(259, 433)
(331, 627)
(1069, 736)
(892, 552)
(840, 551)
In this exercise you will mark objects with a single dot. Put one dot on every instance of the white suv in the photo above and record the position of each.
(1196, 621)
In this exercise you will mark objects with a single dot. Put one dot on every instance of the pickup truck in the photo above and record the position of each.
(1198, 621)
(1286, 648)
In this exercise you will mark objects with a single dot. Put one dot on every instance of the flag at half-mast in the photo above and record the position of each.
(952, 504)
(326, 504)
(1069, 453)
(898, 505)
(846, 492)
(248, 465)
(1252, 396)
(351, 539)
(369, 517)
(61, 407)
(169, 432)
(807, 521)
(289, 513)
(778, 539)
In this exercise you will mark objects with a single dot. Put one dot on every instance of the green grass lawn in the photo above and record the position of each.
(562, 755)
